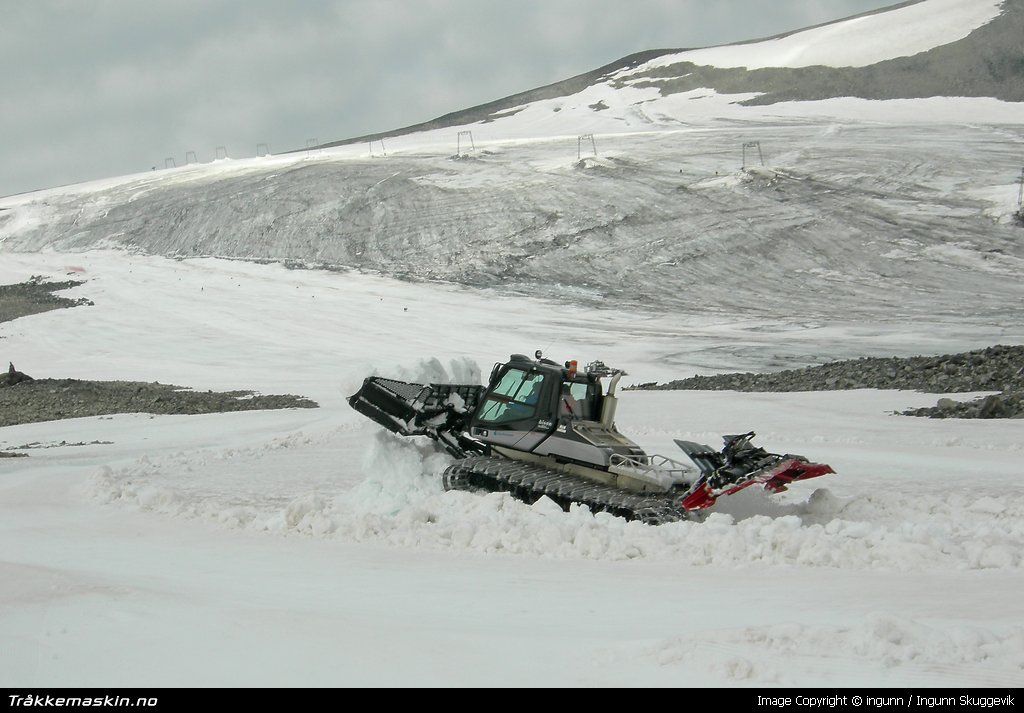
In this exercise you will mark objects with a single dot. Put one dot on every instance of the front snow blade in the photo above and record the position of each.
(775, 479)
(741, 464)
(438, 411)
(390, 403)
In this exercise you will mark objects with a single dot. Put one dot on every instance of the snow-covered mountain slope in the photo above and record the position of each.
(631, 190)
(917, 49)
(964, 48)
(901, 31)
(907, 220)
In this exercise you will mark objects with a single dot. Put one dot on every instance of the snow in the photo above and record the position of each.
(856, 42)
(231, 538)
(308, 547)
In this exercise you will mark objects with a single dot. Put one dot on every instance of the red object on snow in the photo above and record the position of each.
(775, 480)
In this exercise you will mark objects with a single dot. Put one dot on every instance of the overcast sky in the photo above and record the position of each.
(97, 88)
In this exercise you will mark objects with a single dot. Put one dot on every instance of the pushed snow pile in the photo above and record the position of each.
(432, 371)
(399, 474)
(426, 371)
(395, 496)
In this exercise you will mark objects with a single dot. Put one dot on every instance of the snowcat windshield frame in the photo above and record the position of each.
(516, 397)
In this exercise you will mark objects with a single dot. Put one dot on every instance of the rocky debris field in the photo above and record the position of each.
(54, 399)
(27, 400)
(35, 296)
(12, 376)
(998, 368)
(1008, 404)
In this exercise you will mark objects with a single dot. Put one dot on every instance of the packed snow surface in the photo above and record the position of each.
(227, 539)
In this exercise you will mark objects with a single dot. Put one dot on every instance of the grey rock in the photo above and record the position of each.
(953, 373)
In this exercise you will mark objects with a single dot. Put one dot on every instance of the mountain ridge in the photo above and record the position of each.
(988, 62)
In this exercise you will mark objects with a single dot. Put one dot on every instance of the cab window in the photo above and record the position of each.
(579, 400)
(514, 398)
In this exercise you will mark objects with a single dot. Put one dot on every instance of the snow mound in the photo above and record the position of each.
(395, 497)
(399, 472)
(433, 371)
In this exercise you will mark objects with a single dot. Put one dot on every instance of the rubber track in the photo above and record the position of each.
(528, 482)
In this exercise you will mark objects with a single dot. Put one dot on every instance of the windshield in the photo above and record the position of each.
(514, 398)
